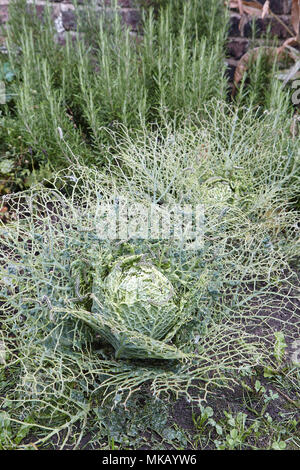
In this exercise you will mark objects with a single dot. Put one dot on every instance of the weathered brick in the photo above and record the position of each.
(278, 29)
(254, 25)
(231, 66)
(237, 44)
(237, 47)
(125, 3)
(3, 14)
(132, 17)
(234, 25)
(101, 3)
(69, 20)
(262, 26)
(37, 9)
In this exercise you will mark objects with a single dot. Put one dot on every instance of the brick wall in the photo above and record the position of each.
(239, 34)
(63, 11)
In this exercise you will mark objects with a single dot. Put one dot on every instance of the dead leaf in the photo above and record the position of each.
(266, 9)
(4, 214)
(256, 9)
(295, 16)
(252, 8)
(240, 5)
(243, 63)
(289, 42)
(243, 21)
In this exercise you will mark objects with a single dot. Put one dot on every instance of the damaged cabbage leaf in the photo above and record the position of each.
(137, 310)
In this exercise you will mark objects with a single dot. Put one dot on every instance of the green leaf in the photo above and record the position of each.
(9, 76)
(219, 429)
(279, 346)
(6, 166)
(279, 445)
(208, 411)
(230, 441)
(5, 428)
(269, 372)
(234, 433)
(22, 433)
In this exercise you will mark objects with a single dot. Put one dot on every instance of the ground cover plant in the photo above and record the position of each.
(147, 342)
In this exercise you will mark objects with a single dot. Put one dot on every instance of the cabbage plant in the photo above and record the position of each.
(138, 309)
(62, 286)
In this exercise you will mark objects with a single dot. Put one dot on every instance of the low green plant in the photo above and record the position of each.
(55, 264)
(220, 426)
(77, 344)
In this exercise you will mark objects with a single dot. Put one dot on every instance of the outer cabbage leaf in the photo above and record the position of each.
(137, 310)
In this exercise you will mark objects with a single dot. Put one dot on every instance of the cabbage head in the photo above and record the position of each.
(139, 310)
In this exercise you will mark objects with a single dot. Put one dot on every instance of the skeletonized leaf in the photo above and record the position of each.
(290, 74)
(2, 352)
(295, 124)
(295, 16)
(293, 53)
